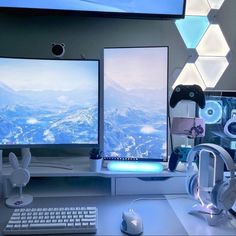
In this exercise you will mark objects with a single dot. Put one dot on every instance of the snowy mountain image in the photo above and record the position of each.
(135, 102)
(58, 108)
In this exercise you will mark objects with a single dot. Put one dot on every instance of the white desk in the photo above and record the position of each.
(160, 217)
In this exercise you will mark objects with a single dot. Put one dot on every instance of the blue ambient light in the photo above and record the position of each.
(192, 28)
(135, 166)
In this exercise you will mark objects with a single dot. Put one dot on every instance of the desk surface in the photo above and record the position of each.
(160, 217)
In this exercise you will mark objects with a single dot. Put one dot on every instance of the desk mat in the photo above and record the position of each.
(157, 215)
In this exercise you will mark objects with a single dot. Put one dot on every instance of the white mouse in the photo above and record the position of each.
(132, 223)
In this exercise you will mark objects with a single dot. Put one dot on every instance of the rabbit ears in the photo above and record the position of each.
(15, 163)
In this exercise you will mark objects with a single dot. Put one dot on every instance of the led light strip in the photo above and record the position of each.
(134, 166)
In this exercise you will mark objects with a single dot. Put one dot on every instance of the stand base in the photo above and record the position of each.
(213, 216)
(17, 201)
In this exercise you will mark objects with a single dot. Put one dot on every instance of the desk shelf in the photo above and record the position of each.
(50, 178)
(66, 187)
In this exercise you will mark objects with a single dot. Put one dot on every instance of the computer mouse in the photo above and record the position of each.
(132, 223)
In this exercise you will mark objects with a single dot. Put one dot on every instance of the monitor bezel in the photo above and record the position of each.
(74, 145)
(167, 110)
(125, 15)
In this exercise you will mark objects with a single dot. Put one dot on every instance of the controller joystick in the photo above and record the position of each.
(188, 92)
(179, 154)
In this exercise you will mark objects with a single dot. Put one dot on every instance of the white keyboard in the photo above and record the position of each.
(52, 221)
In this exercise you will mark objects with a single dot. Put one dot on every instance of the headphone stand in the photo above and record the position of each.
(212, 215)
(215, 195)
(209, 172)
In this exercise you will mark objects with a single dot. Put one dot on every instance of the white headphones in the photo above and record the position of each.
(227, 131)
(223, 194)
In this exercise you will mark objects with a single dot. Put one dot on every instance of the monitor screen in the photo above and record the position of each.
(135, 103)
(45, 101)
(171, 8)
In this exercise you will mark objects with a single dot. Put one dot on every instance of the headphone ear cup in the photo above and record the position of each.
(192, 186)
(220, 196)
(215, 192)
(223, 195)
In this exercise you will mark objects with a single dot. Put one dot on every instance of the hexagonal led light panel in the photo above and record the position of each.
(211, 69)
(213, 43)
(192, 29)
(216, 4)
(197, 8)
(208, 41)
(190, 75)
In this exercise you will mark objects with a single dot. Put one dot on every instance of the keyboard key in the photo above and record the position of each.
(9, 226)
(51, 225)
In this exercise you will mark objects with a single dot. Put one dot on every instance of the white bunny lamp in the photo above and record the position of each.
(20, 176)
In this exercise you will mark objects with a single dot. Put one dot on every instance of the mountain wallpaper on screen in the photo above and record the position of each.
(135, 102)
(47, 110)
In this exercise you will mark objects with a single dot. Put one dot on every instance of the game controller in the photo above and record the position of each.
(179, 154)
(188, 92)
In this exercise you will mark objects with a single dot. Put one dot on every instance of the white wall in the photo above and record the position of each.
(226, 18)
(31, 36)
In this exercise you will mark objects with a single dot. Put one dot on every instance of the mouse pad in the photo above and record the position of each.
(157, 215)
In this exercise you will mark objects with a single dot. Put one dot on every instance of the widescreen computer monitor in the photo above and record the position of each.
(135, 103)
(48, 102)
(121, 8)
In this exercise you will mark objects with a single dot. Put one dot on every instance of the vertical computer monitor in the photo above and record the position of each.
(48, 102)
(135, 103)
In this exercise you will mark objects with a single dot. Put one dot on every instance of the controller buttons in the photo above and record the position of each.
(178, 89)
(191, 94)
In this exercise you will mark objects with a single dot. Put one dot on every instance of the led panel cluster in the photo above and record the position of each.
(207, 40)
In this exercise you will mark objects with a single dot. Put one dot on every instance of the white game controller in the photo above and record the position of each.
(19, 177)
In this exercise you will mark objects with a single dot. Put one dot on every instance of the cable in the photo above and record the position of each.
(156, 198)
(232, 211)
(171, 137)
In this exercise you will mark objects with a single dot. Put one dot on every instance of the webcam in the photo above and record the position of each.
(58, 49)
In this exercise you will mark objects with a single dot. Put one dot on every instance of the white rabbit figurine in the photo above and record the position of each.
(20, 176)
